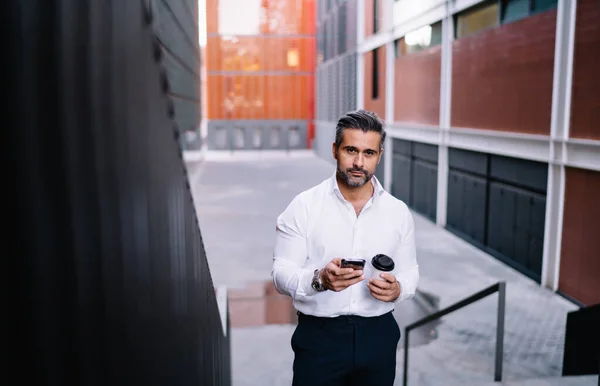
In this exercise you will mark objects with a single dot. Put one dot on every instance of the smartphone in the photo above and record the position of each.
(358, 264)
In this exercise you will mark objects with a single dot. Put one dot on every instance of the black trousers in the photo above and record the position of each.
(345, 351)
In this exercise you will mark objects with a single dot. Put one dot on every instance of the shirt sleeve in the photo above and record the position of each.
(405, 258)
(290, 277)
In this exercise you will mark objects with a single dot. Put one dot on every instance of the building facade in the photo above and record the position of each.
(175, 24)
(260, 61)
(337, 58)
(493, 115)
(111, 281)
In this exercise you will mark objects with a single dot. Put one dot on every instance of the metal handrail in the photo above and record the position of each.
(499, 287)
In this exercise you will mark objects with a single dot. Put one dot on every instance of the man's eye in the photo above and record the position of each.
(351, 150)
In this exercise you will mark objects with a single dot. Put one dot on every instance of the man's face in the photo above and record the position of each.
(357, 156)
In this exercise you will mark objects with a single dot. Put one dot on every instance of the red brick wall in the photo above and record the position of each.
(369, 16)
(585, 108)
(376, 105)
(417, 87)
(502, 78)
(580, 256)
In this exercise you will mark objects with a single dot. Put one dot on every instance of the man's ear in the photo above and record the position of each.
(334, 151)
(380, 156)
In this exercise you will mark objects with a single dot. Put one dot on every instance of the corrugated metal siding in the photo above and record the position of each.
(336, 70)
(502, 78)
(176, 27)
(112, 285)
(498, 204)
(415, 176)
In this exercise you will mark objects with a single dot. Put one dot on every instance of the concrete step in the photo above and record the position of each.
(588, 380)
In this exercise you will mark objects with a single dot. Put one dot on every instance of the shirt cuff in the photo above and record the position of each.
(401, 292)
(305, 288)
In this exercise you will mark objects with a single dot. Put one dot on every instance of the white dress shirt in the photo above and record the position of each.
(320, 225)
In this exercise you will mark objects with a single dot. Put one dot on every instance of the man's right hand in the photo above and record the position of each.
(337, 279)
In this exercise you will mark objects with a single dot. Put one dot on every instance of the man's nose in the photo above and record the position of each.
(359, 160)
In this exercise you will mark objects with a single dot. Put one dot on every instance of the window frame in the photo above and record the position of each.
(398, 47)
(483, 4)
(375, 16)
(500, 19)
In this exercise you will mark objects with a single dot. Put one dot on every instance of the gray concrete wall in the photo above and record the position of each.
(256, 135)
(324, 137)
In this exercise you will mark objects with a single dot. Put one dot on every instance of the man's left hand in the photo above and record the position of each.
(385, 290)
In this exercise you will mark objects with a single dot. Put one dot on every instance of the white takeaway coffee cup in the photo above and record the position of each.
(381, 263)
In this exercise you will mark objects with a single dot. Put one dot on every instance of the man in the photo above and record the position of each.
(346, 333)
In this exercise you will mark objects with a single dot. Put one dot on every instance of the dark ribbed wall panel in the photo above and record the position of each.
(515, 227)
(111, 282)
(186, 114)
(176, 27)
(415, 176)
(502, 77)
(498, 204)
(585, 108)
(179, 78)
(171, 31)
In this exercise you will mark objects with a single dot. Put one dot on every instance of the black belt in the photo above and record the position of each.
(337, 320)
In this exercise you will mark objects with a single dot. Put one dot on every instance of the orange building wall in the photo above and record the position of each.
(265, 76)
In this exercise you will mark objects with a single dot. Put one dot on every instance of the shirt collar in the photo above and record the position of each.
(334, 187)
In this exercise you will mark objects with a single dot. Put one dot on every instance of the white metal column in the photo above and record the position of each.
(360, 62)
(390, 89)
(559, 132)
(445, 105)
(388, 15)
(389, 113)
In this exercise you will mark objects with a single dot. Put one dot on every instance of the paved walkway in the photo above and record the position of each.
(238, 199)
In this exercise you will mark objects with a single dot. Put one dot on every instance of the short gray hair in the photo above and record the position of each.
(359, 120)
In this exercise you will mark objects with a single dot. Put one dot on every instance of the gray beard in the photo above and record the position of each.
(351, 181)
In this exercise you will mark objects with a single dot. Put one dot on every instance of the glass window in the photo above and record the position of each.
(513, 10)
(375, 74)
(375, 16)
(341, 15)
(419, 39)
(436, 34)
(245, 21)
(477, 19)
(544, 5)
